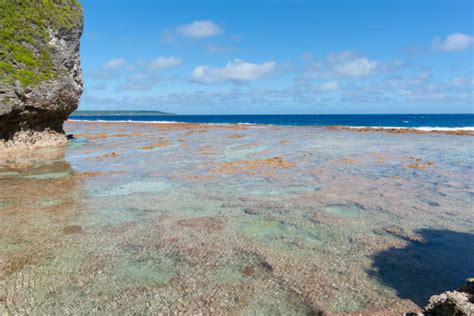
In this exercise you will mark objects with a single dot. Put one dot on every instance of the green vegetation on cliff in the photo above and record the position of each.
(25, 35)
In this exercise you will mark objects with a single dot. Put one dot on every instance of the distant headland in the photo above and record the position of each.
(119, 113)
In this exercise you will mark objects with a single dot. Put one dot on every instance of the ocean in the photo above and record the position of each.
(420, 121)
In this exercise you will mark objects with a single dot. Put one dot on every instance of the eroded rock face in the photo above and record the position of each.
(40, 72)
(459, 303)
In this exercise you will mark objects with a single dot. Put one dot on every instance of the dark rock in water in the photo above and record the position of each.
(432, 203)
(459, 303)
(262, 266)
(468, 287)
(266, 207)
(258, 265)
(40, 72)
(252, 211)
(248, 271)
(266, 266)
(73, 229)
(400, 233)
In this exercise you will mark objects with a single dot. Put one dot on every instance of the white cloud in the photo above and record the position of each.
(454, 42)
(343, 64)
(348, 64)
(236, 70)
(329, 86)
(114, 64)
(164, 62)
(419, 87)
(200, 29)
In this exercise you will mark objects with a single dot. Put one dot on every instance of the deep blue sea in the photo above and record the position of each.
(433, 121)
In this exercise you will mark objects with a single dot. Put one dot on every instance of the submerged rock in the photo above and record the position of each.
(252, 211)
(399, 232)
(40, 73)
(468, 287)
(459, 303)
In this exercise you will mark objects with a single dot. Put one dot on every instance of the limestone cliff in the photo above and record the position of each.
(40, 73)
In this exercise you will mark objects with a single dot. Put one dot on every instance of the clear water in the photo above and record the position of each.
(211, 222)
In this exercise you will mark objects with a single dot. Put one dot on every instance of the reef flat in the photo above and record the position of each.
(194, 218)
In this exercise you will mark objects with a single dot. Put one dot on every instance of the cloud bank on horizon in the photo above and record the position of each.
(254, 63)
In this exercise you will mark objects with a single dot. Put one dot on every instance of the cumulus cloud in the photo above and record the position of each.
(343, 64)
(348, 64)
(164, 62)
(454, 42)
(200, 29)
(114, 64)
(236, 70)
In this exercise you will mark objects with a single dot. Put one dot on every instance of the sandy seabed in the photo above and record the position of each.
(217, 219)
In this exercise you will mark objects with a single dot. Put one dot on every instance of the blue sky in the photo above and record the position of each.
(278, 57)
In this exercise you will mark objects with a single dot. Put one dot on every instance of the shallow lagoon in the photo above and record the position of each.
(143, 218)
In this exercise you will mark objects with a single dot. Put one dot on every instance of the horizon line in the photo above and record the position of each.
(202, 114)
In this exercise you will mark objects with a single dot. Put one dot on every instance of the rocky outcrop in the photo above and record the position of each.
(459, 303)
(40, 73)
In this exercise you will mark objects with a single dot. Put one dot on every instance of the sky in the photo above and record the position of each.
(279, 57)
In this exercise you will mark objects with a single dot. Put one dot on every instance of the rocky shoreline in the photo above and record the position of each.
(41, 84)
(28, 140)
(458, 302)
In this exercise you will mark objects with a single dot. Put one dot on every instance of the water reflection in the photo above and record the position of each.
(40, 198)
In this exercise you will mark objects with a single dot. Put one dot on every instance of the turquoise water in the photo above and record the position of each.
(276, 220)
